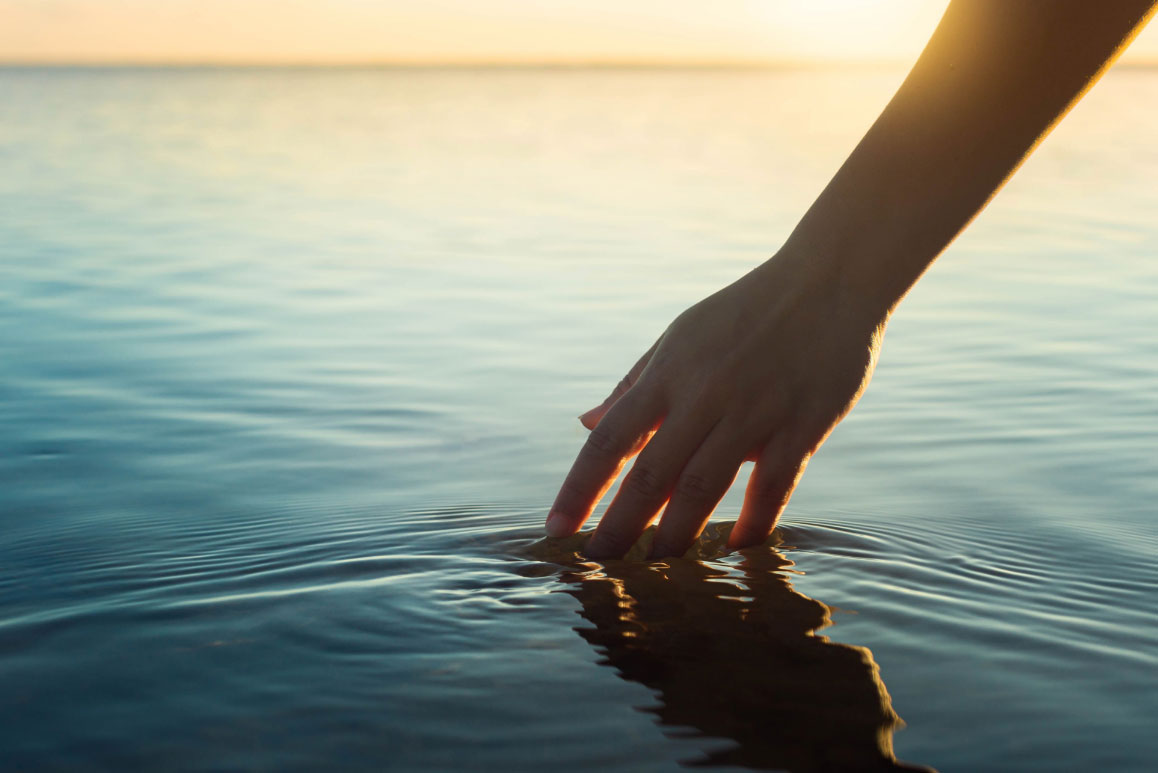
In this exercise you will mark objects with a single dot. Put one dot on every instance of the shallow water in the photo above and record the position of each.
(291, 365)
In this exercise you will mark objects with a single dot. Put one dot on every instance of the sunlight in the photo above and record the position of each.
(473, 31)
(849, 29)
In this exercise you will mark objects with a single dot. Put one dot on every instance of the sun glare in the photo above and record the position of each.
(472, 31)
(849, 29)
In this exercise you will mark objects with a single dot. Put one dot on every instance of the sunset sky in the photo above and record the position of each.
(505, 31)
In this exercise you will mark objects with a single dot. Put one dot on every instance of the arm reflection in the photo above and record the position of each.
(733, 651)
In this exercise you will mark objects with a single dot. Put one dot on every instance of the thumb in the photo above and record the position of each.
(591, 418)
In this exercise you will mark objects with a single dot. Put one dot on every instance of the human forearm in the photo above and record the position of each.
(996, 76)
(764, 369)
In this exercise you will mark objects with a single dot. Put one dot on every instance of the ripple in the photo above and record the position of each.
(1038, 597)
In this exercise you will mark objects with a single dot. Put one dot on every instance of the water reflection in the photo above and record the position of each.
(734, 653)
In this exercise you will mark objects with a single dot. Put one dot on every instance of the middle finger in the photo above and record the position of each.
(648, 484)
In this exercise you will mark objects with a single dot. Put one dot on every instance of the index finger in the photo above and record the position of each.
(620, 435)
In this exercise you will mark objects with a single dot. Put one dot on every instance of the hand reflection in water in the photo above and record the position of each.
(732, 650)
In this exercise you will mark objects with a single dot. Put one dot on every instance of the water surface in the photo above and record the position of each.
(291, 363)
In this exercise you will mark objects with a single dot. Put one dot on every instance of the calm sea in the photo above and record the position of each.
(291, 362)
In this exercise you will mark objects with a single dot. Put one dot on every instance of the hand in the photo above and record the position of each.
(760, 371)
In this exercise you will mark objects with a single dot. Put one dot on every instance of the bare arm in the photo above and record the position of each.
(765, 368)
(994, 79)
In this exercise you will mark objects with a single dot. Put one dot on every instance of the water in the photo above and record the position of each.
(291, 363)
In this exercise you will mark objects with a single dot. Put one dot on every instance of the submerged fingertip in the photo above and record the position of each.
(736, 542)
(660, 553)
(747, 540)
(558, 525)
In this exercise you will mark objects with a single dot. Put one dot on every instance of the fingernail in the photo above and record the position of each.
(557, 525)
(587, 417)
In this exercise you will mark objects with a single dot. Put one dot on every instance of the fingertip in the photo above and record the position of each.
(591, 418)
(600, 549)
(736, 543)
(558, 525)
(668, 543)
(662, 550)
(741, 538)
(612, 538)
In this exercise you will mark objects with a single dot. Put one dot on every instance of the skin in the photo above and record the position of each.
(764, 369)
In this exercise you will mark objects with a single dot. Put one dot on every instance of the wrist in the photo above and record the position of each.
(852, 282)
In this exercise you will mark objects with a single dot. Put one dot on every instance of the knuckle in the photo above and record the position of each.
(644, 481)
(695, 488)
(571, 494)
(773, 489)
(603, 442)
(776, 487)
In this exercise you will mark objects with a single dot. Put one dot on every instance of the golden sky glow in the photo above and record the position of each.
(342, 31)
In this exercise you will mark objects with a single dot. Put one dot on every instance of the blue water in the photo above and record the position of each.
(291, 364)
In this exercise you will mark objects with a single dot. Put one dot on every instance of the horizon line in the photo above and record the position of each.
(560, 64)
(448, 63)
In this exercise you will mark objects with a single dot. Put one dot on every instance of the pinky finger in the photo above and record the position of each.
(592, 417)
(778, 470)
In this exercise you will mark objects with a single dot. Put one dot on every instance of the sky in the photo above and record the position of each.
(473, 31)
